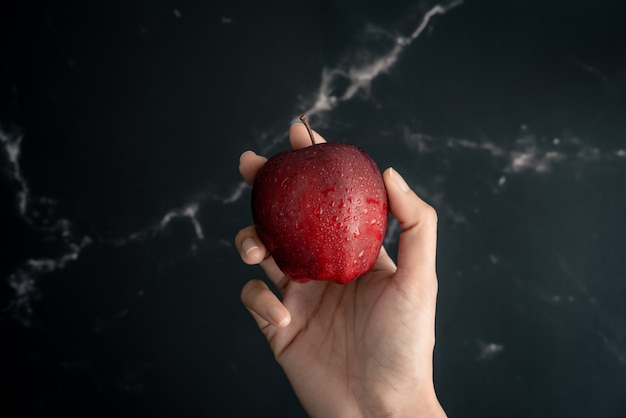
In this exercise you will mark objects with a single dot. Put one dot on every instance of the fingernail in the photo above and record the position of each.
(399, 180)
(248, 245)
(277, 315)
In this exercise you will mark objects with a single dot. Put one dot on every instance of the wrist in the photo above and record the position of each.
(432, 409)
(422, 405)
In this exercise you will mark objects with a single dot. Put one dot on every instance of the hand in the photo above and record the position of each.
(361, 349)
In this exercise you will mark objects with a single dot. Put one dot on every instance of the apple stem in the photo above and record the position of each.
(308, 127)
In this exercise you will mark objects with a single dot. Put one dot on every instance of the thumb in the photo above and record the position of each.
(417, 248)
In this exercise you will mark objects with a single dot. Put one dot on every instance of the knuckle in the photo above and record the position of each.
(429, 215)
(424, 215)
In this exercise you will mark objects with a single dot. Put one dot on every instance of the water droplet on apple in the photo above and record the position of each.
(318, 210)
(325, 192)
(346, 229)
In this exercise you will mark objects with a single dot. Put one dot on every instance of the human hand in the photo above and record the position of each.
(364, 348)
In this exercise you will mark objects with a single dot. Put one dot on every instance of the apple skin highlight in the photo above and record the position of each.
(321, 211)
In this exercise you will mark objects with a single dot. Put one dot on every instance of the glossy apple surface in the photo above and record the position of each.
(321, 211)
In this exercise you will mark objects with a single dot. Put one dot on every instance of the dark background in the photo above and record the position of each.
(121, 124)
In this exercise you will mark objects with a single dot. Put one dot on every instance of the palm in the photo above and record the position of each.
(347, 339)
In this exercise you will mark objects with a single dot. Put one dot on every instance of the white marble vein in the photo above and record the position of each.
(189, 212)
(360, 78)
(11, 142)
(528, 154)
(489, 350)
(24, 280)
(38, 214)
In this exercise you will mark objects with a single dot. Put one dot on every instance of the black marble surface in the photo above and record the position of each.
(121, 124)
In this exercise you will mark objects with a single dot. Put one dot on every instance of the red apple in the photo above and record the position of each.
(321, 211)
